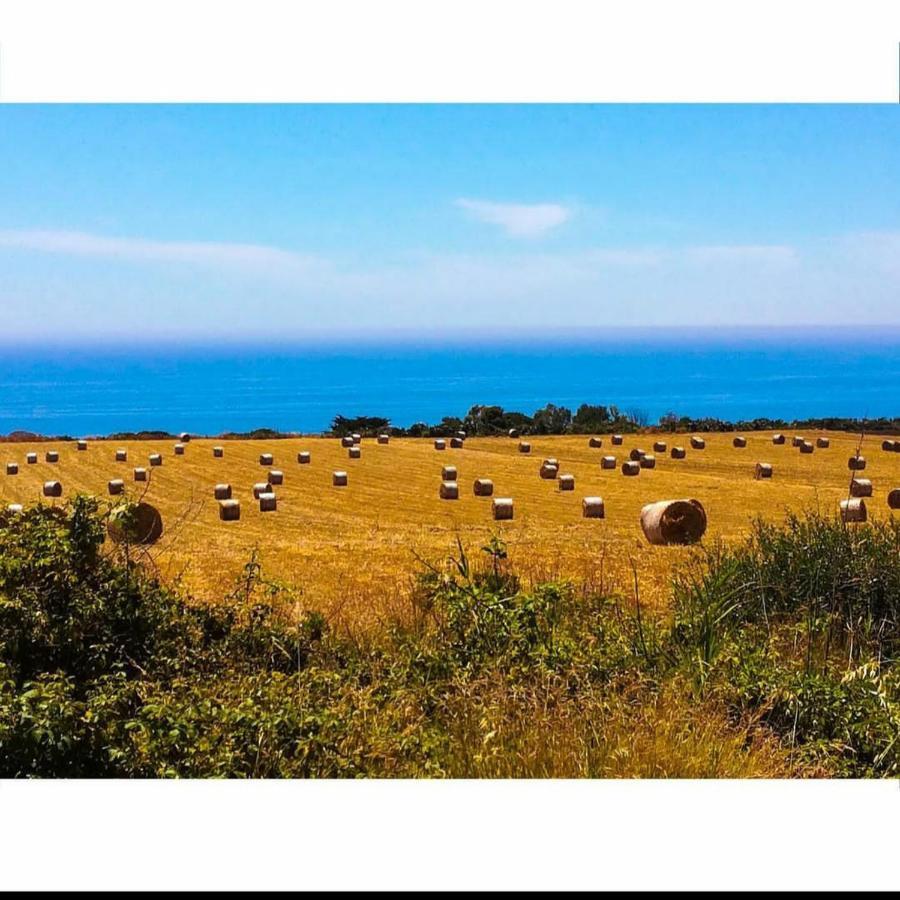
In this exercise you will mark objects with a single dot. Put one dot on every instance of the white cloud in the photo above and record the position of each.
(204, 287)
(876, 249)
(526, 220)
(206, 253)
(752, 253)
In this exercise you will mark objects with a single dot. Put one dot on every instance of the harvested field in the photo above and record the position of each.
(340, 548)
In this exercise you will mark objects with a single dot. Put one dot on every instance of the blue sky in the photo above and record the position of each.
(331, 222)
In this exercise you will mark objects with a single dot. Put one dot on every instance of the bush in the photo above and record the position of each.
(800, 625)
(104, 672)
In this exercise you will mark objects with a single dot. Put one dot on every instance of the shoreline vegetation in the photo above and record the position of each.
(774, 657)
(494, 421)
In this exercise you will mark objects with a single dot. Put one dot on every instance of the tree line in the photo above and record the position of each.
(488, 421)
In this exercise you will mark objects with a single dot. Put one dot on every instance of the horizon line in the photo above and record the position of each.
(434, 338)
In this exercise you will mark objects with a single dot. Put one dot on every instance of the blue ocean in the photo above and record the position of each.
(208, 390)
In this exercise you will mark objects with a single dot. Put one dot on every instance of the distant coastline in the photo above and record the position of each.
(452, 425)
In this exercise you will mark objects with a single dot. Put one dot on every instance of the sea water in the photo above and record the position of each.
(208, 390)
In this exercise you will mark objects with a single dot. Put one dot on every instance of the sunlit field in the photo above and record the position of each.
(350, 550)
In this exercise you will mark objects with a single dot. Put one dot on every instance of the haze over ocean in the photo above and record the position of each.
(789, 374)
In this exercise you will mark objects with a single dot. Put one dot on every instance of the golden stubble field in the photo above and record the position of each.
(351, 550)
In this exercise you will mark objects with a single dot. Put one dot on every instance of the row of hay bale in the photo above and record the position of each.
(456, 443)
(663, 522)
(699, 443)
(31, 458)
(739, 441)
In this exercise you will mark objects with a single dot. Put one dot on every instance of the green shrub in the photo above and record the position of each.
(799, 625)
(106, 672)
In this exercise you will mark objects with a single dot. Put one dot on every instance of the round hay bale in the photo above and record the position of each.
(593, 508)
(697, 443)
(15, 509)
(52, 456)
(223, 492)
(304, 457)
(461, 435)
(823, 443)
(854, 510)
(660, 446)
(449, 490)
(276, 476)
(12, 468)
(339, 479)
(440, 444)
(778, 438)
(548, 472)
(156, 459)
(121, 455)
(266, 459)
(763, 470)
(673, 522)
(456, 443)
(806, 447)
(637, 454)
(888, 446)
(797, 441)
(81, 445)
(260, 488)
(566, 482)
(617, 440)
(608, 462)
(483, 487)
(383, 438)
(524, 447)
(502, 508)
(115, 487)
(354, 452)
(893, 499)
(357, 437)
(140, 474)
(856, 463)
(52, 489)
(218, 452)
(595, 442)
(179, 449)
(648, 461)
(678, 453)
(184, 437)
(860, 487)
(739, 441)
(268, 502)
(31, 458)
(630, 467)
(135, 523)
(448, 473)
(229, 510)
(347, 441)
(513, 432)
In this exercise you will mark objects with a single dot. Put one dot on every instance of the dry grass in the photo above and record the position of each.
(346, 548)
(631, 735)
